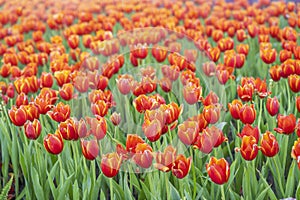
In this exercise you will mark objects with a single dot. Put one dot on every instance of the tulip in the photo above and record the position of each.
(165, 84)
(143, 155)
(294, 83)
(68, 130)
(66, 92)
(248, 130)
(159, 53)
(172, 72)
(110, 164)
(298, 103)
(249, 148)
(218, 170)
(284, 55)
(296, 152)
(152, 129)
(223, 76)
(202, 123)
(60, 112)
(192, 93)
(275, 72)
(288, 68)
(245, 92)
(272, 106)
(73, 41)
(212, 113)
(247, 114)
(33, 129)
(234, 108)
(115, 118)
(286, 124)
(53, 143)
(99, 108)
(62, 77)
(269, 144)
(242, 49)
(181, 166)
(18, 116)
(268, 55)
(43, 104)
(188, 132)
(98, 127)
(211, 98)
(209, 68)
(81, 83)
(214, 54)
(46, 80)
(21, 99)
(81, 128)
(90, 149)
(165, 160)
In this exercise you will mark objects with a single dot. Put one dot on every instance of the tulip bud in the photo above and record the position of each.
(33, 129)
(269, 144)
(53, 143)
(110, 164)
(218, 170)
(73, 41)
(90, 149)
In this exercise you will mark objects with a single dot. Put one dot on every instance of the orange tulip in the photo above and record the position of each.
(298, 103)
(234, 108)
(268, 55)
(66, 92)
(181, 166)
(294, 83)
(73, 41)
(218, 170)
(46, 80)
(99, 108)
(212, 113)
(188, 132)
(98, 127)
(68, 130)
(275, 72)
(245, 92)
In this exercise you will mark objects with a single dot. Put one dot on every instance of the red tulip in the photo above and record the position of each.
(298, 103)
(269, 144)
(110, 164)
(33, 129)
(21, 99)
(296, 152)
(275, 72)
(181, 166)
(286, 124)
(218, 170)
(53, 143)
(46, 80)
(192, 93)
(294, 82)
(66, 92)
(73, 41)
(248, 130)
(90, 149)
(99, 108)
(247, 114)
(268, 55)
(234, 108)
(18, 116)
(98, 127)
(60, 112)
(68, 130)
(115, 118)
(272, 106)
(211, 98)
(245, 92)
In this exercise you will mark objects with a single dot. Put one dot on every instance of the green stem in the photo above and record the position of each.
(167, 186)
(223, 197)
(260, 113)
(111, 189)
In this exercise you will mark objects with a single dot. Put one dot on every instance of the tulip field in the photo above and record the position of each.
(151, 99)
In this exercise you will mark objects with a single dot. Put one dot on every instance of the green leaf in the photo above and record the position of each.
(174, 193)
(64, 187)
(262, 195)
(6, 189)
(289, 189)
(38, 190)
(147, 192)
(96, 188)
(75, 190)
